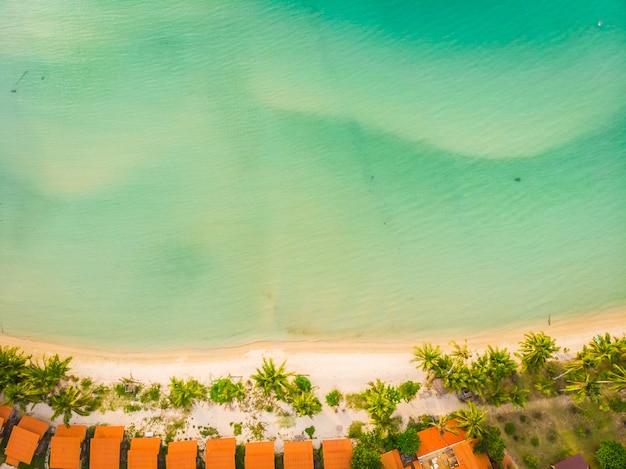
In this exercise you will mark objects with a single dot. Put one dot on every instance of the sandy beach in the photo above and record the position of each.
(348, 366)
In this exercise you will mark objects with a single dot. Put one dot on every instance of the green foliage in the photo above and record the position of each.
(523, 418)
(408, 390)
(611, 455)
(68, 400)
(209, 432)
(302, 383)
(226, 391)
(12, 365)
(22, 393)
(334, 398)
(274, 381)
(531, 461)
(491, 443)
(48, 376)
(237, 428)
(356, 429)
(364, 457)
(535, 351)
(534, 441)
(152, 394)
(427, 357)
(407, 442)
(310, 431)
(183, 394)
(382, 400)
(509, 428)
(120, 390)
(306, 404)
(130, 408)
(356, 401)
(471, 419)
(422, 423)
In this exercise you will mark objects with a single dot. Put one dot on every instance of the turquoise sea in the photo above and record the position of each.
(206, 173)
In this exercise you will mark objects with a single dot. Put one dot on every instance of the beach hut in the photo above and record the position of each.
(24, 439)
(105, 447)
(182, 454)
(298, 455)
(6, 416)
(259, 455)
(66, 446)
(337, 453)
(144, 453)
(220, 453)
(433, 440)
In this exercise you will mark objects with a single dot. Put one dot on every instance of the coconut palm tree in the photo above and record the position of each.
(306, 404)
(23, 393)
(586, 388)
(444, 424)
(618, 378)
(68, 400)
(471, 419)
(536, 350)
(546, 386)
(12, 365)
(461, 352)
(604, 349)
(50, 374)
(426, 356)
(183, 394)
(381, 400)
(584, 362)
(500, 365)
(273, 380)
(518, 397)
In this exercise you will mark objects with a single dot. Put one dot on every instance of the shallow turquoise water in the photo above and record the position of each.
(198, 174)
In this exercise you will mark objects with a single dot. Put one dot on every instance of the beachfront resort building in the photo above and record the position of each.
(442, 449)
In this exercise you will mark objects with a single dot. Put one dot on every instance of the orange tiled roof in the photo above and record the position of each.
(5, 412)
(433, 441)
(337, 453)
(1, 422)
(391, 460)
(77, 431)
(104, 453)
(220, 453)
(65, 452)
(143, 453)
(151, 445)
(298, 455)
(468, 460)
(21, 447)
(259, 455)
(105, 431)
(182, 454)
(34, 425)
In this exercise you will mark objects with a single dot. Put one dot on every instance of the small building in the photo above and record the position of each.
(105, 447)
(182, 454)
(298, 455)
(337, 453)
(144, 453)
(573, 462)
(24, 439)
(259, 455)
(220, 453)
(66, 447)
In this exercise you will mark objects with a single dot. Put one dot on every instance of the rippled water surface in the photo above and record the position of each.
(191, 173)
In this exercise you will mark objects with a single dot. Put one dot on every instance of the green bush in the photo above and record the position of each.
(356, 401)
(225, 391)
(408, 390)
(310, 431)
(509, 428)
(534, 441)
(152, 394)
(364, 457)
(302, 383)
(523, 418)
(334, 398)
(237, 428)
(356, 429)
(611, 455)
(531, 461)
(408, 442)
(491, 443)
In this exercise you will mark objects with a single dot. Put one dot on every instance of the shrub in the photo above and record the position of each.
(364, 457)
(534, 441)
(237, 428)
(310, 431)
(334, 398)
(531, 461)
(356, 429)
(225, 391)
(580, 431)
(356, 401)
(611, 455)
(302, 383)
(408, 390)
(509, 428)
(523, 418)
(152, 394)
(408, 442)
(491, 443)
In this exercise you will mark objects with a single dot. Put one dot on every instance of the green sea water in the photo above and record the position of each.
(182, 174)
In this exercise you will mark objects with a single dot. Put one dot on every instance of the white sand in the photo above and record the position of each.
(348, 366)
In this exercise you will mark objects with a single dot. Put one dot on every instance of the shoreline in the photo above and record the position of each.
(570, 333)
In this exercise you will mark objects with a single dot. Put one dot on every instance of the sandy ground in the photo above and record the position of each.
(348, 366)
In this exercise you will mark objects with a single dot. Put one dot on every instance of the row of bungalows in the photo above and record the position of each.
(71, 449)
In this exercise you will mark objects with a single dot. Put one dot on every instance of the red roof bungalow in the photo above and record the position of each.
(144, 453)
(337, 453)
(298, 455)
(220, 453)
(182, 454)
(259, 455)
(574, 462)
(105, 447)
(443, 450)
(24, 439)
(65, 447)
